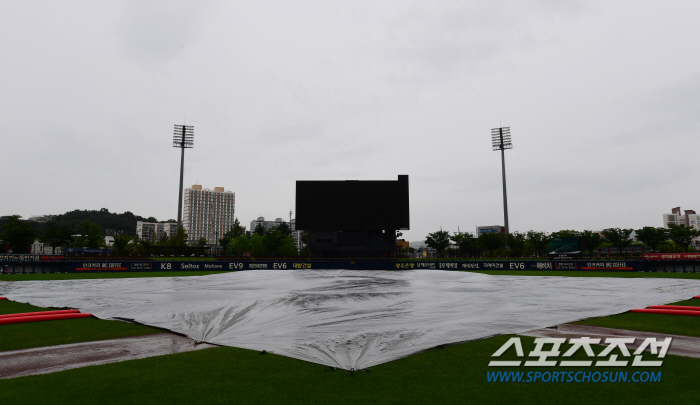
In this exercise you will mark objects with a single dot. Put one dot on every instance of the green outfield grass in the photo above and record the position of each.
(50, 333)
(454, 375)
(673, 324)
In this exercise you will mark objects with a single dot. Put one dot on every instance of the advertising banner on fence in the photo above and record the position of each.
(225, 265)
(671, 256)
(19, 258)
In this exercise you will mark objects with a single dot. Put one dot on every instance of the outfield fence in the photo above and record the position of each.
(18, 264)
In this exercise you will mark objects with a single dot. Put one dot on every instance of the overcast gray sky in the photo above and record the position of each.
(602, 97)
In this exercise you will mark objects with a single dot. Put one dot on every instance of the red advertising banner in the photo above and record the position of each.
(671, 256)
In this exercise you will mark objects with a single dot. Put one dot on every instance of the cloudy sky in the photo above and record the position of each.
(602, 99)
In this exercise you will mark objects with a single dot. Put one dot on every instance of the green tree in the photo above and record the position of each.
(516, 242)
(259, 229)
(618, 237)
(180, 237)
(112, 223)
(235, 231)
(668, 246)
(490, 241)
(590, 241)
(284, 228)
(465, 241)
(257, 246)
(224, 242)
(682, 235)
(91, 235)
(229, 236)
(143, 247)
(18, 235)
(240, 245)
(202, 241)
(652, 236)
(439, 241)
(121, 244)
(135, 247)
(164, 240)
(57, 235)
(538, 241)
(565, 233)
(275, 240)
(288, 248)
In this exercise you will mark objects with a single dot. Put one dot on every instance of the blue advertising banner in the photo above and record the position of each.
(222, 265)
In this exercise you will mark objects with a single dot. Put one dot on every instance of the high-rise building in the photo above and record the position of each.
(208, 213)
(688, 218)
(153, 231)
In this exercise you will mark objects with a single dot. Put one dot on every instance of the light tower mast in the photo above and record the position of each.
(500, 140)
(183, 138)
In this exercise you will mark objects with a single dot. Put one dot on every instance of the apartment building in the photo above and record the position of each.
(153, 231)
(208, 213)
(265, 224)
(687, 218)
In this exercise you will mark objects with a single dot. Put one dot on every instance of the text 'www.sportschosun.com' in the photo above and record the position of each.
(573, 376)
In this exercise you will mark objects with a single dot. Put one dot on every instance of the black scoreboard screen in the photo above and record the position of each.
(352, 205)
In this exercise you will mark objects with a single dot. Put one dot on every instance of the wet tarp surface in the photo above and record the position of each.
(350, 319)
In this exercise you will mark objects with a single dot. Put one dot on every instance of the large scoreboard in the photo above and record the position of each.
(352, 218)
(352, 205)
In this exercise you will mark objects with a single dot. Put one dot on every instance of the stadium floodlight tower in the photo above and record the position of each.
(183, 138)
(500, 140)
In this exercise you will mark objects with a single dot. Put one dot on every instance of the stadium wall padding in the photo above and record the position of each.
(233, 265)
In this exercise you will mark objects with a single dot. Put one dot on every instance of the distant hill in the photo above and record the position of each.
(111, 222)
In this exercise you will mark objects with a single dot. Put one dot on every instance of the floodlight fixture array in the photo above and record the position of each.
(183, 138)
(500, 140)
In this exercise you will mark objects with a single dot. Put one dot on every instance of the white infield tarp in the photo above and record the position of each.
(350, 319)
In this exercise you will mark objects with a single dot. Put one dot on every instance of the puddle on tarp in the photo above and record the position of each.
(350, 318)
